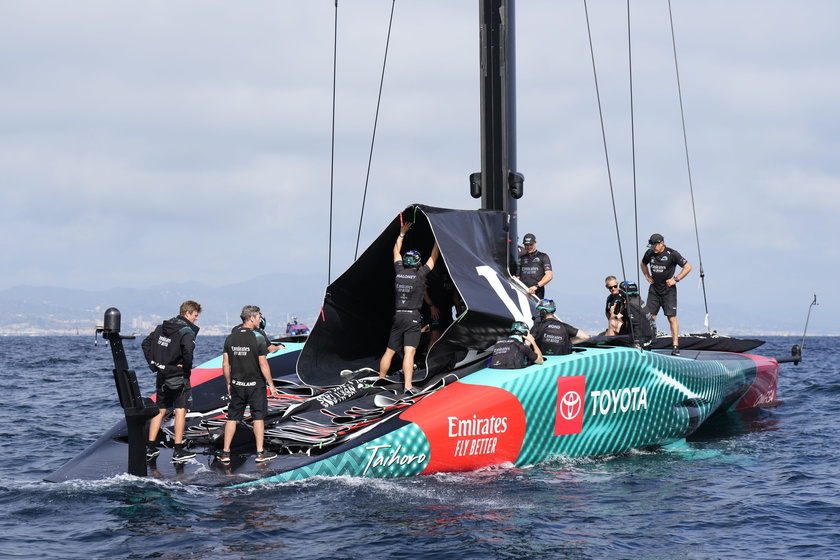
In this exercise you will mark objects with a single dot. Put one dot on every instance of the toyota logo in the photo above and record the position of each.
(570, 405)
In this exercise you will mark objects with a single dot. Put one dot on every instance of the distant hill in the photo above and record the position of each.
(33, 309)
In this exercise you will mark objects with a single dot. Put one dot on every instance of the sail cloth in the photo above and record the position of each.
(353, 327)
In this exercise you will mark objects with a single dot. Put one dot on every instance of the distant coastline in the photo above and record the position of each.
(87, 329)
(52, 311)
(206, 330)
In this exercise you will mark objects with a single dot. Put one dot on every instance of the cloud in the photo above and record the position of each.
(192, 139)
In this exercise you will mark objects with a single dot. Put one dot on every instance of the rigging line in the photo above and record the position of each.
(633, 143)
(332, 146)
(633, 152)
(633, 157)
(604, 138)
(688, 167)
(375, 121)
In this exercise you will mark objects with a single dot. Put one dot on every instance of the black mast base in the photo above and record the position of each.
(138, 409)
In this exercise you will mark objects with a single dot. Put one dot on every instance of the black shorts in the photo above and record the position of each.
(240, 397)
(405, 331)
(666, 301)
(173, 392)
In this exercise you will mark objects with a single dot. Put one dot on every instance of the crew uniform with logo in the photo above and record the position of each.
(169, 351)
(244, 346)
(261, 330)
(553, 336)
(409, 287)
(662, 267)
(534, 267)
(513, 352)
(247, 374)
(659, 266)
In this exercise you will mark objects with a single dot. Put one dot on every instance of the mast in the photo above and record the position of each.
(498, 184)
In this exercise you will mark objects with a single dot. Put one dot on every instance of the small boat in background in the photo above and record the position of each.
(294, 328)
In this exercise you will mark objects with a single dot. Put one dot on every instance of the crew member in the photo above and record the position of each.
(517, 351)
(614, 308)
(169, 351)
(247, 374)
(534, 267)
(409, 288)
(662, 293)
(636, 321)
(553, 336)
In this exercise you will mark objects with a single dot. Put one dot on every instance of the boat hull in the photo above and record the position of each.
(595, 402)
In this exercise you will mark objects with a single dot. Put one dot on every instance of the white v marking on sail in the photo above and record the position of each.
(520, 313)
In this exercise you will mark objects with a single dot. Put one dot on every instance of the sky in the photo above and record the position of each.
(158, 141)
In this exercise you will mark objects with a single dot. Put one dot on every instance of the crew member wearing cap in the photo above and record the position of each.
(534, 267)
(659, 266)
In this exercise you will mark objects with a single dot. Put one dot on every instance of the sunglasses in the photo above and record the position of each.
(612, 287)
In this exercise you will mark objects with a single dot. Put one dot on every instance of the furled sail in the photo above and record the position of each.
(352, 329)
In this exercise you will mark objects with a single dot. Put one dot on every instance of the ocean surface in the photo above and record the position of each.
(761, 486)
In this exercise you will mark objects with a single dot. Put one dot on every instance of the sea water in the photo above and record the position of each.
(764, 485)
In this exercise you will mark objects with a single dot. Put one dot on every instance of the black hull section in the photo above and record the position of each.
(711, 342)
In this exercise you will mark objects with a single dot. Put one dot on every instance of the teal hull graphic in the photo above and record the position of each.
(594, 402)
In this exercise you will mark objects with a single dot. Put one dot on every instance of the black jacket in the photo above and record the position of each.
(171, 344)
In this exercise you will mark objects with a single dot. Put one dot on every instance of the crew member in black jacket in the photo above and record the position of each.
(169, 351)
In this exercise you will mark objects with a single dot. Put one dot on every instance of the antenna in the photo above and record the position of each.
(796, 351)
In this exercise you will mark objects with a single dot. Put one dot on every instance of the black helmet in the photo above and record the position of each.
(519, 327)
(629, 287)
(546, 307)
(262, 322)
(411, 258)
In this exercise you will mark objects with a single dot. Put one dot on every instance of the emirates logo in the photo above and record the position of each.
(570, 405)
